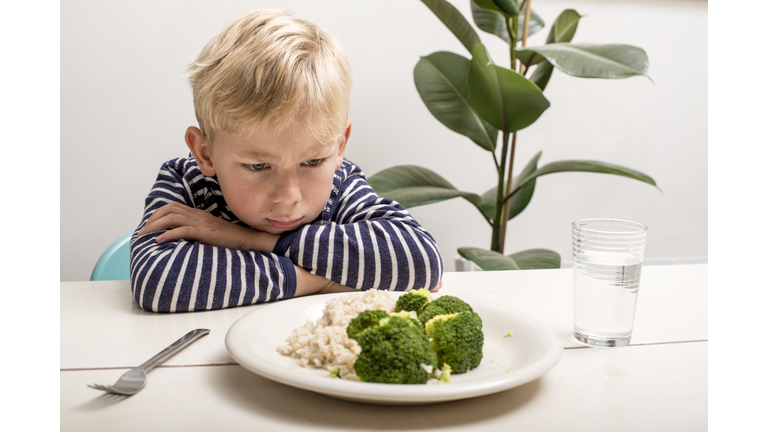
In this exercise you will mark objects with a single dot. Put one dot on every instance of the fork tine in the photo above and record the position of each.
(109, 389)
(98, 387)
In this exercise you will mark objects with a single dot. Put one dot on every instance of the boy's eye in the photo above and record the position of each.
(314, 162)
(256, 167)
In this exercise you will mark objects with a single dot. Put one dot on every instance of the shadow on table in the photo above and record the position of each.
(265, 398)
(101, 401)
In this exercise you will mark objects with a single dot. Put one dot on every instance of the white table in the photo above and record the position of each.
(657, 383)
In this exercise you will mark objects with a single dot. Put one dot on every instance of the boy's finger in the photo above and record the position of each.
(167, 221)
(180, 233)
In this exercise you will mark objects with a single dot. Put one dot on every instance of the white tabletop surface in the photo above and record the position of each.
(659, 382)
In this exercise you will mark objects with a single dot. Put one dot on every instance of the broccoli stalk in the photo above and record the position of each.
(445, 374)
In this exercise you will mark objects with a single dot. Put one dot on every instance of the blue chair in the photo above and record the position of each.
(115, 262)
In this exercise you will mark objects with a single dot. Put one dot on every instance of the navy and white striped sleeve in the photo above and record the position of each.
(178, 276)
(369, 243)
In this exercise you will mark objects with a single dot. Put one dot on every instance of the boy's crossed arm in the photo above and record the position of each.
(181, 222)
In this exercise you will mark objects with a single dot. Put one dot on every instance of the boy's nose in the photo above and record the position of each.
(286, 190)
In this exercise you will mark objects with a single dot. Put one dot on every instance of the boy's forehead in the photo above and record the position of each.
(269, 145)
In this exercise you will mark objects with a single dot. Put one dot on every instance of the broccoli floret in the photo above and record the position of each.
(364, 320)
(442, 306)
(410, 316)
(457, 339)
(414, 300)
(396, 351)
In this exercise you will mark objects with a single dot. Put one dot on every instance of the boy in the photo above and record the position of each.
(267, 207)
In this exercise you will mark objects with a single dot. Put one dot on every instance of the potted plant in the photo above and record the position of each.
(481, 100)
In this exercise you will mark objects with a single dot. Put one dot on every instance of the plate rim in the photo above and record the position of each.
(416, 394)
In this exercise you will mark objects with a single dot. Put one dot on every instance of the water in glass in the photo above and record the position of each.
(605, 296)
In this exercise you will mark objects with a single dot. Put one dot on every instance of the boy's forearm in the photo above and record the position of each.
(308, 283)
(371, 253)
(260, 241)
(186, 276)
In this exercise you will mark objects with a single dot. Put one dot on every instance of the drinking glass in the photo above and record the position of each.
(607, 260)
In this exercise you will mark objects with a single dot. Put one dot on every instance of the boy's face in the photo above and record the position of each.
(273, 181)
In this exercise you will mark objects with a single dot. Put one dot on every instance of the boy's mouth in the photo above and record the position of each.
(283, 224)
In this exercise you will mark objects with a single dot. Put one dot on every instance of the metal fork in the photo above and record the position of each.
(135, 379)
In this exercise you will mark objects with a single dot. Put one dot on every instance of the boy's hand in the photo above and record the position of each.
(191, 224)
(437, 288)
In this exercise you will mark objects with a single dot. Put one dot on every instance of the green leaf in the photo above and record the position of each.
(413, 186)
(542, 74)
(504, 98)
(488, 203)
(506, 6)
(455, 21)
(524, 260)
(519, 200)
(528, 58)
(562, 31)
(441, 80)
(488, 260)
(536, 259)
(501, 7)
(587, 166)
(490, 20)
(564, 27)
(610, 61)
(534, 25)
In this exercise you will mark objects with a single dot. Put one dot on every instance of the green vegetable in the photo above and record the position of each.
(364, 320)
(442, 306)
(445, 374)
(410, 316)
(414, 300)
(457, 339)
(394, 351)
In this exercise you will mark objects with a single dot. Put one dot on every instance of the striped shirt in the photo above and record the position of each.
(359, 240)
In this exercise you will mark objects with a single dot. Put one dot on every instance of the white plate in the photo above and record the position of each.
(508, 362)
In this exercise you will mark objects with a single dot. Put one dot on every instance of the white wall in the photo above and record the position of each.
(125, 106)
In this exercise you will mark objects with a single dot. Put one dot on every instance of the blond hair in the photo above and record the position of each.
(269, 67)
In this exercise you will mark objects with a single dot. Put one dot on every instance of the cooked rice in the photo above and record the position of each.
(325, 344)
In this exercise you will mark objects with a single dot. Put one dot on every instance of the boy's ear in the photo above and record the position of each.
(343, 146)
(200, 150)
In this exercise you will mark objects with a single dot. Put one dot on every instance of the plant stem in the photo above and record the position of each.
(525, 30)
(497, 214)
(512, 31)
(507, 190)
(505, 203)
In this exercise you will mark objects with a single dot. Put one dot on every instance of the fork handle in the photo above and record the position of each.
(173, 348)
